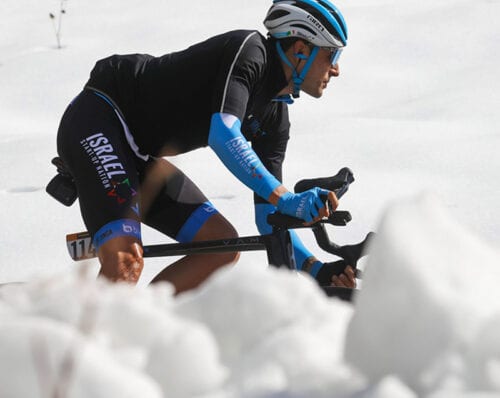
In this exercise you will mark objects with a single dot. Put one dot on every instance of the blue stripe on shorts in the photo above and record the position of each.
(195, 222)
(113, 229)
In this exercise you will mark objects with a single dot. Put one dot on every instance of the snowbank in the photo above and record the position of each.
(429, 311)
(426, 323)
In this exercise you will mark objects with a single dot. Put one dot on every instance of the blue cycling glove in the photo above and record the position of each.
(304, 205)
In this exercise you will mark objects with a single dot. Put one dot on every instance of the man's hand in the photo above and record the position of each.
(337, 274)
(307, 205)
(346, 279)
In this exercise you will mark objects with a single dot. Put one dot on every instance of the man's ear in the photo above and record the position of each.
(300, 49)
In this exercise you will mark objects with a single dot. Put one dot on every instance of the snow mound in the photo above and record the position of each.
(429, 310)
(250, 331)
(426, 323)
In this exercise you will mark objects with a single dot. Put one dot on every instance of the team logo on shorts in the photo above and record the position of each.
(122, 191)
(102, 155)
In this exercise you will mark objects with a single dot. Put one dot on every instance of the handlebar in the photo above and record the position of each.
(282, 221)
(339, 183)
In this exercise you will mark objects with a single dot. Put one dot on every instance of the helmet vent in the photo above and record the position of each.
(277, 14)
(304, 27)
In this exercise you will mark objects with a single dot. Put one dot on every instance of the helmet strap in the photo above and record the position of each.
(297, 78)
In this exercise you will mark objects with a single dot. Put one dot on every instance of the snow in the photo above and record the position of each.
(414, 115)
(433, 276)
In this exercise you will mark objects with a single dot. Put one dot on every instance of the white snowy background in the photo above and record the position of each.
(415, 115)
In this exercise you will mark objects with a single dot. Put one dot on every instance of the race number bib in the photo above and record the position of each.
(80, 246)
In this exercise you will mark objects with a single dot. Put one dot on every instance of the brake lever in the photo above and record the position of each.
(336, 183)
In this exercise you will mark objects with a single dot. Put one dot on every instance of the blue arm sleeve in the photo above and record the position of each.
(232, 148)
(300, 251)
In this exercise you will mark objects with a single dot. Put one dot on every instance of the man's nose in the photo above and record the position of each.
(335, 70)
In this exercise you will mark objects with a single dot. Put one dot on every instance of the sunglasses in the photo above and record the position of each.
(334, 54)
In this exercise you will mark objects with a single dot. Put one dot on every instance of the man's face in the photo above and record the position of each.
(319, 74)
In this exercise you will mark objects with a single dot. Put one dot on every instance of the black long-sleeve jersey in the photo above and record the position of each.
(167, 102)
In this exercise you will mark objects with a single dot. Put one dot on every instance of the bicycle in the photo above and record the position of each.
(277, 244)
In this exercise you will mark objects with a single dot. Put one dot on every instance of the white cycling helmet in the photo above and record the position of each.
(318, 22)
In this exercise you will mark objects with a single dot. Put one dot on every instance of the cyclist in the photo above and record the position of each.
(137, 110)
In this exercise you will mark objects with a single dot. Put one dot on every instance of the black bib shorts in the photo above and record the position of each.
(91, 141)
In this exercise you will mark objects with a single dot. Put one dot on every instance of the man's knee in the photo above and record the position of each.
(217, 227)
(121, 259)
